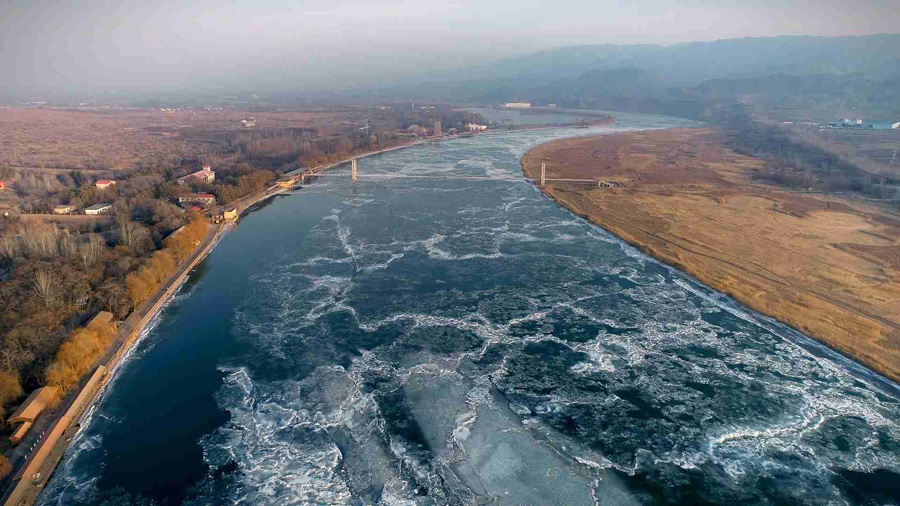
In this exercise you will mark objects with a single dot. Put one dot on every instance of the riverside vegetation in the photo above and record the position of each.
(61, 279)
(55, 274)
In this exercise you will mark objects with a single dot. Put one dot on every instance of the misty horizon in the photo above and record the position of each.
(319, 47)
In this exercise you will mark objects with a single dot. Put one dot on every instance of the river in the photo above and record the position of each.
(454, 341)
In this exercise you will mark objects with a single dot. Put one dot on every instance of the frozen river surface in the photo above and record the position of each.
(452, 341)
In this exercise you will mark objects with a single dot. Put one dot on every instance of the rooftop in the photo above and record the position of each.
(201, 172)
(34, 405)
(102, 317)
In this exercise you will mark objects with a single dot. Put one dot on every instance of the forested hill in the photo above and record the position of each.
(816, 77)
(689, 64)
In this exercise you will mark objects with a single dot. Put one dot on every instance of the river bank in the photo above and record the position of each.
(460, 339)
(821, 264)
(38, 466)
(24, 490)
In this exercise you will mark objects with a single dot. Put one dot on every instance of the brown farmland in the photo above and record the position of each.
(115, 139)
(825, 265)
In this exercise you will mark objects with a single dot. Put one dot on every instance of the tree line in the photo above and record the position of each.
(793, 161)
(147, 279)
(53, 279)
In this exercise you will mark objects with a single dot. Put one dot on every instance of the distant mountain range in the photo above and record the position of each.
(796, 77)
(876, 56)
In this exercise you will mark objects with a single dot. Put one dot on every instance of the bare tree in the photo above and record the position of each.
(43, 287)
(15, 352)
(68, 246)
(40, 239)
(9, 246)
(128, 229)
(114, 298)
(91, 250)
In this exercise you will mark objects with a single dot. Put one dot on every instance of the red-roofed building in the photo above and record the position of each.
(2, 185)
(205, 199)
(105, 183)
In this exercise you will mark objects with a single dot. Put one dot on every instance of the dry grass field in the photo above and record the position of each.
(116, 139)
(825, 265)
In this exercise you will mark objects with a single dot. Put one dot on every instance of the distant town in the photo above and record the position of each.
(864, 125)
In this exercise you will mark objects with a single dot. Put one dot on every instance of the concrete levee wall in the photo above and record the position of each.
(45, 446)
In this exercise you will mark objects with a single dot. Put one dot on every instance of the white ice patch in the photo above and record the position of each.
(278, 437)
(439, 254)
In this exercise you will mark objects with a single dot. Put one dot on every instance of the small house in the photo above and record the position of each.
(2, 185)
(230, 214)
(103, 184)
(98, 209)
(64, 209)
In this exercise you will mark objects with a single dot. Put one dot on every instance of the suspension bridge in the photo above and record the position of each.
(355, 175)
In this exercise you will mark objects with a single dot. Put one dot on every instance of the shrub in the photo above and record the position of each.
(77, 355)
(10, 388)
(5, 467)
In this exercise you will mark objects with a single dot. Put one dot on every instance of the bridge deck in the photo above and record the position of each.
(456, 178)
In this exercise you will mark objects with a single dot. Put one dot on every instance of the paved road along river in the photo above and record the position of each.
(419, 341)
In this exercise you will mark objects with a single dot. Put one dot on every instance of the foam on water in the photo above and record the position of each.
(460, 342)
(670, 315)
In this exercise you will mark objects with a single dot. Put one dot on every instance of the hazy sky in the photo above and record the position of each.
(50, 45)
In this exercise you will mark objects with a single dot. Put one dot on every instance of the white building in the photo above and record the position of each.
(517, 105)
(474, 127)
(98, 209)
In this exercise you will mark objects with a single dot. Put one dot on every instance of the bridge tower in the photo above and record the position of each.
(353, 170)
(543, 174)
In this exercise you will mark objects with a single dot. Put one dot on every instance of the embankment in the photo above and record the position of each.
(32, 474)
(828, 266)
(46, 454)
